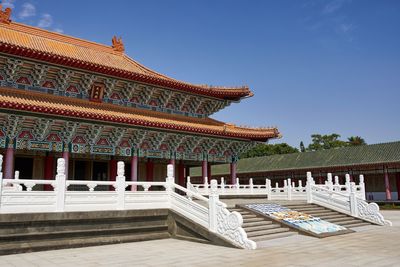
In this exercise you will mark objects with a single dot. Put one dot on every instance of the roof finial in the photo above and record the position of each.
(117, 44)
(5, 15)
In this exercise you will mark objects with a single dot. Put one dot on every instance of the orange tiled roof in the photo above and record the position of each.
(14, 99)
(23, 40)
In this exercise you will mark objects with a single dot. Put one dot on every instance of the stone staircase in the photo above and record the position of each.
(259, 228)
(327, 215)
(46, 231)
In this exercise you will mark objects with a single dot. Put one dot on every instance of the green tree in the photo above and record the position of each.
(328, 141)
(269, 149)
(302, 147)
(356, 141)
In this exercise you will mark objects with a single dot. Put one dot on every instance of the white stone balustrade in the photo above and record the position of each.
(289, 190)
(207, 212)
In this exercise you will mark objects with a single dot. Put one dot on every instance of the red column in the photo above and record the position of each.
(134, 171)
(209, 172)
(9, 163)
(233, 172)
(48, 171)
(113, 169)
(65, 156)
(181, 174)
(387, 185)
(149, 170)
(398, 185)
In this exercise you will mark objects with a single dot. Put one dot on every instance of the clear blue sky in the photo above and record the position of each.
(315, 66)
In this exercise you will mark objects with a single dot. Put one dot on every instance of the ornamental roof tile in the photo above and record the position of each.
(27, 41)
(14, 99)
(384, 153)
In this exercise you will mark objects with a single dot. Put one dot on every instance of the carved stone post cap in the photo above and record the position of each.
(361, 178)
(214, 186)
(347, 178)
(170, 171)
(309, 175)
(61, 166)
(16, 175)
(120, 168)
(329, 177)
(336, 179)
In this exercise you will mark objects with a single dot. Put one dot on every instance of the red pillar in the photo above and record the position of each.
(387, 185)
(48, 171)
(181, 174)
(233, 172)
(209, 174)
(9, 163)
(134, 171)
(398, 185)
(204, 171)
(149, 170)
(65, 156)
(113, 169)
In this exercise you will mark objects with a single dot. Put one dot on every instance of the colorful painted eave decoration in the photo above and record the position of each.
(63, 106)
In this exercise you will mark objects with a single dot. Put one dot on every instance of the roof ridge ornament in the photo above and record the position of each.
(5, 15)
(117, 44)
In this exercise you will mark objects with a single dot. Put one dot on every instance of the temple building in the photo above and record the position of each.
(93, 105)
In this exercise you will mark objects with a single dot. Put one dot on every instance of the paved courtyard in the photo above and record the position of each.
(370, 246)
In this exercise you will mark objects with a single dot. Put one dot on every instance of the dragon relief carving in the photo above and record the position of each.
(117, 44)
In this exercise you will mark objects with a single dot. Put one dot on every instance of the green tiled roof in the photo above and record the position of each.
(345, 156)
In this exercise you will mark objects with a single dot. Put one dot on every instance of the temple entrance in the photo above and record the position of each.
(25, 167)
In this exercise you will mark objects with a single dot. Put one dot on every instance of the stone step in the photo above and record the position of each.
(343, 220)
(308, 210)
(328, 212)
(260, 227)
(267, 232)
(272, 236)
(254, 219)
(358, 224)
(80, 233)
(56, 226)
(248, 216)
(333, 216)
(258, 223)
(40, 245)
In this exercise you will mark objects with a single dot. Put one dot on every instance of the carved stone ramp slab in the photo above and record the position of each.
(298, 220)
(259, 228)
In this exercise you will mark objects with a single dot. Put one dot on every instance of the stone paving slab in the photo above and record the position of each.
(371, 246)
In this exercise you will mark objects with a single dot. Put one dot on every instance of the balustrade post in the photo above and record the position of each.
(308, 187)
(222, 185)
(251, 185)
(213, 199)
(337, 185)
(268, 187)
(237, 185)
(120, 185)
(362, 186)
(206, 185)
(353, 200)
(60, 185)
(188, 183)
(289, 189)
(329, 182)
(347, 184)
(170, 180)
